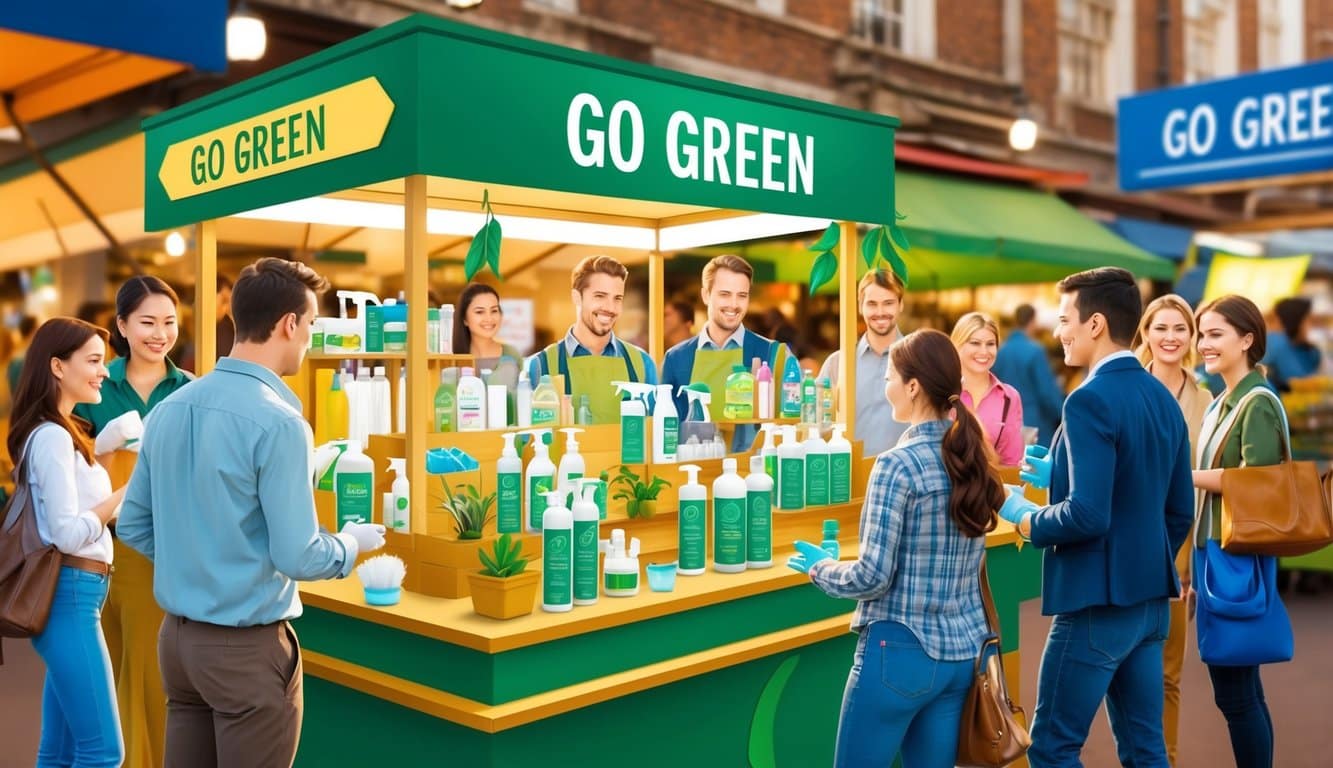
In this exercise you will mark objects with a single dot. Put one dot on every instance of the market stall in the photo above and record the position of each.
(416, 126)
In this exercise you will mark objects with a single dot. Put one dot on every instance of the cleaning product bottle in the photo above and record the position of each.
(354, 486)
(738, 394)
(583, 410)
(586, 546)
(540, 478)
(667, 426)
(402, 498)
(729, 520)
(769, 451)
(571, 464)
(471, 399)
(557, 555)
(816, 469)
(791, 471)
(432, 330)
(839, 467)
(809, 400)
(324, 479)
(763, 391)
(447, 329)
(509, 488)
(381, 403)
(826, 408)
(362, 300)
(633, 421)
(361, 401)
(791, 389)
(622, 567)
(692, 544)
(523, 400)
(545, 403)
(444, 404)
(334, 424)
(758, 516)
(698, 421)
(830, 539)
(402, 400)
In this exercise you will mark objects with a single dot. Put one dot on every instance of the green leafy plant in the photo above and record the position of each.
(470, 510)
(503, 560)
(631, 487)
(885, 240)
(485, 247)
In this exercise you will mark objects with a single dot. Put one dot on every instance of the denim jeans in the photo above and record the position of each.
(898, 698)
(1239, 693)
(1107, 652)
(80, 723)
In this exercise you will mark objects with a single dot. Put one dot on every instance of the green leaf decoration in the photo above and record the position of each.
(476, 253)
(493, 245)
(870, 246)
(897, 264)
(899, 216)
(823, 270)
(828, 241)
(899, 237)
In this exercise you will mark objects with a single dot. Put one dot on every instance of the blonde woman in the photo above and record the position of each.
(1165, 344)
(996, 404)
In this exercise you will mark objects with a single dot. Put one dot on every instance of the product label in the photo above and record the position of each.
(816, 479)
(621, 581)
(791, 482)
(729, 531)
(557, 563)
(374, 329)
(693, 535)
(342, 342)
(738, 399)
(353, 493)
(401, 515)
(509, 503)
(791, 399)
(444, 411)
(631, 440)
(543, 416)
(538, 485)
(670, 435)
(840, 478)
(759, 526)
(585, 560)
(771, 465)
(470, 410)
(317, 341)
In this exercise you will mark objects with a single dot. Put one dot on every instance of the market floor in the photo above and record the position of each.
(1296, 693)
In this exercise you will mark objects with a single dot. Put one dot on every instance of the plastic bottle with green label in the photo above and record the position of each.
(692, 543)
(444, 404)
(809, 400)
(401, 521)
(840, 467)
(354, 486)
(633, 421)
(758, 516)
(545, 403)
(587, 534)
(816, 469)
(729, 514)
(539, 479)
(791, 471)
(769, 450)
(509, 488)
(666, 422)
(557, 555)
(826, 408)
(738, 394)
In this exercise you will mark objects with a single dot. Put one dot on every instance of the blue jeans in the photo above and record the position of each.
(1110, 653)
(1239, 693)
(897, 697)
(80, 722)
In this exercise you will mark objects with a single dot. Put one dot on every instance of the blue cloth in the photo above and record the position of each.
(899, 698)
(574, 349)
(1239, 694)
(1287, 360)
(1107, 652)
(678, 371)
(1122, 494)
(1021, 363)
(80, 721)
(915, 567)
(221, 501)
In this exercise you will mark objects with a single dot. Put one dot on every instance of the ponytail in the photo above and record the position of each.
(970, 462)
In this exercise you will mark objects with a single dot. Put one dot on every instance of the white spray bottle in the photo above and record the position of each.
(571, 464)
(633, 421)
(401, 522)
(666, 423)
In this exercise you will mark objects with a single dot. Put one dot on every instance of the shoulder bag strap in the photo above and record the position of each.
(988, 600)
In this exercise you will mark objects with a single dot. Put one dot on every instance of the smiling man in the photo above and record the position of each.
(591, 356)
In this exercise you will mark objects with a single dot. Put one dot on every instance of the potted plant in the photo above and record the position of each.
(640, 497)
(504, 588)
(470, 510)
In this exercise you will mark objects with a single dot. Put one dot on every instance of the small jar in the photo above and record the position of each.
(395, 337)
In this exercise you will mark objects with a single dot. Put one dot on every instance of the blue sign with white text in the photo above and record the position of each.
(1269, 123)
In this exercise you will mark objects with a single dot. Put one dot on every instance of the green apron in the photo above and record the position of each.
(592, 375)
(713, 366)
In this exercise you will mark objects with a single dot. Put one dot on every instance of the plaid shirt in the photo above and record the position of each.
(916, 567)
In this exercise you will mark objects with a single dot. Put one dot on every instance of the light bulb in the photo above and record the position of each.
(175, 245)
(1023, 134)
(246, 36)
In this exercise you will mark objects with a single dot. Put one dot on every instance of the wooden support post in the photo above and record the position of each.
(418, 367)
(656, 304)
(205, 296)
(848, 253)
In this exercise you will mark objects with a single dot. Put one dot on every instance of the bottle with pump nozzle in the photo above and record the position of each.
(816, 469)
(729, 520)
(791, 471)
(667, 427)
(758, 516)
(692, 544)
(840, 467)
(587, 536)
(633, 421)
(540, 478)
(402, 498)
(622, 566)
(557, 555)
(571, 464)
(769, 451)
(763, 391)
(509, 488)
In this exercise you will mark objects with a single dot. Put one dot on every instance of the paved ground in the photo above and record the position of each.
(1297, 694)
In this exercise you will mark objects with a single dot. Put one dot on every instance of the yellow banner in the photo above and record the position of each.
(333, 124)
(1263, 281)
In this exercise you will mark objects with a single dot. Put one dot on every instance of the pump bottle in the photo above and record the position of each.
(401, 522)
(633, 424)
(692, 545)
(729, 494)
(557, 555)
(840, 467)
(758, 516)
(666, 423)
(791, 471)
(540, 478)
(586, 546)
(571, 464)
(509, 488)
(816, 468)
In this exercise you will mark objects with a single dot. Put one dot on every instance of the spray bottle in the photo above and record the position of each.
(509, 488)
(698, 421)
(361, 299)
(758, 516)
(557, 555)
(633, 415)
(571, 464)
(729, 520)
(540, 478)
(401, 521)
(667, 423)
(840, 467)
(586, 546)
(791, 471)
(769, 451)
(816, 469)
(692, 545)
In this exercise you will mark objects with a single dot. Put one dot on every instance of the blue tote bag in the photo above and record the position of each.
(1240, 618)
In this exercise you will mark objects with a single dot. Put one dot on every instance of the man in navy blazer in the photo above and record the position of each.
(1122, 502)
(1021, 363)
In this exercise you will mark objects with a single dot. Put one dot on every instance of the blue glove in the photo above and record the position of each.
(807, 554)
(1036, 467)
(1015, 507)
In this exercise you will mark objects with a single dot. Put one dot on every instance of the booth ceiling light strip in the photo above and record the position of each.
(756, 226)
(1235, 246)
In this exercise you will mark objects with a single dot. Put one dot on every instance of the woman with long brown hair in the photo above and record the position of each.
(930, 502)
(73, 500)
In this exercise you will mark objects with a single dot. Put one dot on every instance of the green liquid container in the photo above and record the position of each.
(738, 396)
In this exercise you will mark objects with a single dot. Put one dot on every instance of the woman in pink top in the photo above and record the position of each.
(995, 403)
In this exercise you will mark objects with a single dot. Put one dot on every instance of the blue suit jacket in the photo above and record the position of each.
(1021, 363)
(1122, 494)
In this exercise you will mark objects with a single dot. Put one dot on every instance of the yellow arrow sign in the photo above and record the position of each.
(333, 124)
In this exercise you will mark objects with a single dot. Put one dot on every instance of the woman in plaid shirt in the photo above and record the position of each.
(930, 502)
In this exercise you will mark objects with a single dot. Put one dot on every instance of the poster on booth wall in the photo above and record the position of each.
(517, 327)
(1263, 281)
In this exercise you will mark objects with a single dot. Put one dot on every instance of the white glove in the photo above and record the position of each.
(369, 536)
(124, 431)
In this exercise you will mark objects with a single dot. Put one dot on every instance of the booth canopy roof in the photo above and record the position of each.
(433, 97)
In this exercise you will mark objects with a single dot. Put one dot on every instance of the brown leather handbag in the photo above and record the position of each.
(991, 733)
(28, 569)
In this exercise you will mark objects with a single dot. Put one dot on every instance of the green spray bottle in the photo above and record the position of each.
(692, 545)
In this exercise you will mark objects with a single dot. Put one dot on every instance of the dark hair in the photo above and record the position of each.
(930, 357)
(128, 300)
(1112, 292)
(1241, 314)
(269, 290)
(224, 282)
(27, 324)
(683, 308)
(462, 335)
(37, 397)
(1291, 313)
(1024, 315)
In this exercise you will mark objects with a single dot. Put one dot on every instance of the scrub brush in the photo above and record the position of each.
(382, 578)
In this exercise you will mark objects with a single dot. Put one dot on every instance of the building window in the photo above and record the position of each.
(1086, 33)
(905, 26)
(1281, 33)
(775, 7)
(568, 6)
(1210, 39)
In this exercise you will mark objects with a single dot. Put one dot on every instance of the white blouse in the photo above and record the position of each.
(65, 488)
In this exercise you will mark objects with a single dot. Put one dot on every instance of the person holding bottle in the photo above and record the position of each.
(478, 322)
(143, 334)
(996, 404)
(74, 505)
(930, 501)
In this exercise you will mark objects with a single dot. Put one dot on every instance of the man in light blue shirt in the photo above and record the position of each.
(221, 502)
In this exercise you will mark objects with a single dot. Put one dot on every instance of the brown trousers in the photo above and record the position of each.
(233, 694)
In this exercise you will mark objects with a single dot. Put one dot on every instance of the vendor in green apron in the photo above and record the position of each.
(590, 356)
(723, 343)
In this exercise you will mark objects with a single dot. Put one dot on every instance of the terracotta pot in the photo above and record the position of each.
(504, 598)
